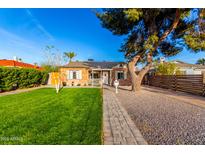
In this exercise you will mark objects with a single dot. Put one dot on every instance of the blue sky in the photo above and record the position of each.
(25, 33)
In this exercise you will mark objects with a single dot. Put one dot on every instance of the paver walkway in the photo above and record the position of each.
(118, 127)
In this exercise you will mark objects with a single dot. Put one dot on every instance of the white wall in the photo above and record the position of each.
(190, 71)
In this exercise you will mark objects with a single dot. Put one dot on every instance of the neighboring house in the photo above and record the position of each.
(184, 68)
(189, 69)
(14, 63)
(92, 73)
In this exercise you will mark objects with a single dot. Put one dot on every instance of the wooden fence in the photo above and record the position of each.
(194, 84)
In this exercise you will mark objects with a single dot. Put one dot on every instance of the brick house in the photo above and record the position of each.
(93, 73)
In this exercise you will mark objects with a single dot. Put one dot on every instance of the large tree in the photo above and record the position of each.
(153, 32)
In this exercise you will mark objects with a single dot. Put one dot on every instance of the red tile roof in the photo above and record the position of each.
(13, 63)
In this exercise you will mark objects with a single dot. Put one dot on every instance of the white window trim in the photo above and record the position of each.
(116, 75)
(78, 74)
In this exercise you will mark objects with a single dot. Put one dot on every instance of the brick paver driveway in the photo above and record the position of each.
(164, 119)
(118, 128)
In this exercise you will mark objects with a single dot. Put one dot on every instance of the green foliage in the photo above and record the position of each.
(150, 41)
(185, 13)
(133, 14)
(144, 29)
(195, 41)
(117, 20)
(74, 116)
(49, 68)
(167, 69)
(13, 78)
(201, 61)
(70, 55)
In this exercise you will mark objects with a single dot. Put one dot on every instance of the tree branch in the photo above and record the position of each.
(168, 31)
(145, 70)
(135, 59)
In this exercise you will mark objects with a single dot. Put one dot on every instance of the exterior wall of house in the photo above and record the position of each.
(190, 71)
(201, 70)
(74, 82)
(85, 73)
(123, 82)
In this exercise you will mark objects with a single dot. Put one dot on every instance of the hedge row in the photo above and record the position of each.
(14, 78)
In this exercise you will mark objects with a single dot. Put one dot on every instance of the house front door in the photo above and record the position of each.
(105, 77)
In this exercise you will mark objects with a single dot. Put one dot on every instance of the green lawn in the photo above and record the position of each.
(74, 116)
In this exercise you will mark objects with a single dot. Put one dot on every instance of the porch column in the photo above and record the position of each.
(110, 77)
(101, 78)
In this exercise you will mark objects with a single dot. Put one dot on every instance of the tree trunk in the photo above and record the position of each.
(136, 79)
(133, 75)
(138, 84)
(131, 68)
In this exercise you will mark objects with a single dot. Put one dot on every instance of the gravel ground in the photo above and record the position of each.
(164, 120)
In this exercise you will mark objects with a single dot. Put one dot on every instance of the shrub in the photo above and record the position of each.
(44, 78)
(167, 69)
(12, 78)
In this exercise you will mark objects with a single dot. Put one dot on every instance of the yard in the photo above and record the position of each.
(74, 116)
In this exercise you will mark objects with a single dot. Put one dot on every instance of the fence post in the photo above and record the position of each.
(175, 83)
(203, 82)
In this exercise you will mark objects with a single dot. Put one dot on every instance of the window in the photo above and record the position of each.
(74, 75)
(95, 75)
(120, 75)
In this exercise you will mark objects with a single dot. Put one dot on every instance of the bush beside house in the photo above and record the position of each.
(14, 78)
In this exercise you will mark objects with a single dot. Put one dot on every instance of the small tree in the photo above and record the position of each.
(53, 59)
(167, 69)
(70, 55)
(201, 61)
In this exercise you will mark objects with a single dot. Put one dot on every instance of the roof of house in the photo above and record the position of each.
(76, 65)
(93, 64)
(183, 64)
(13, 63)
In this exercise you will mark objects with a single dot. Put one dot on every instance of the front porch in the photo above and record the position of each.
(100, 76)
